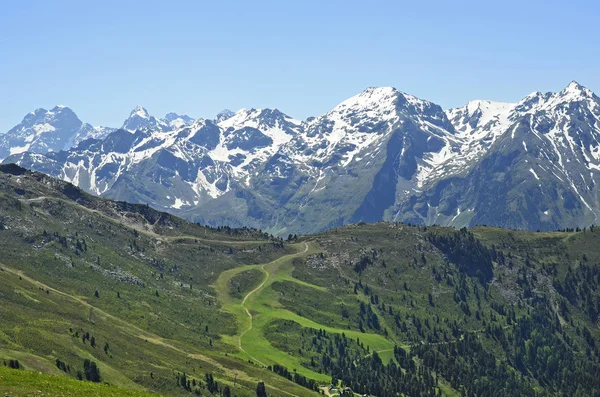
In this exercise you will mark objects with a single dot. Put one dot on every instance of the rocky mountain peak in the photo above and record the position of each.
(140, 119)
(575, 89)
(378, 101)
(224, 115)
(139, 111)
(42, 131)
(175, 120)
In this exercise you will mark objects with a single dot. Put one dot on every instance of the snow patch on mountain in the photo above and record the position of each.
(202, 186)
(355, 124)
(480, 116)
(19, 149)
(478, 125)
(275, 128)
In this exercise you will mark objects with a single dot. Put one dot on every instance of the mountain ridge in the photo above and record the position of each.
(379, 155)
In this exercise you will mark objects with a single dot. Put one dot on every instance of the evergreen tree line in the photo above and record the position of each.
(295, 377)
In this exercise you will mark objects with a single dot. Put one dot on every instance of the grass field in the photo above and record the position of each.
(18, 383)
(260, 306)
(56, 340)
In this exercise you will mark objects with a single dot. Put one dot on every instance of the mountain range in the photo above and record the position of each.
(380, 155)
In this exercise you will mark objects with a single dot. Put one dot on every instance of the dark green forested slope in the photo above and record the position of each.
(487, 312)
(116, 293)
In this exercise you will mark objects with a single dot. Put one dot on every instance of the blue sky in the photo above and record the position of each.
(303, 57)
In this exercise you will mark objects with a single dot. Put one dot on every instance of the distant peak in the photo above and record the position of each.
(386, 100)
(225, 111)
(173, 116)
(573, 85)
(534, 94)
(59, 108)
(41, 113)
(382, 94)
(224, 115)
(139, 111)
(140, 119)
(379, 91)
(484, 105)
(253, 113)
(380, 88)
(369, 97)
(271, 112)
(577, 89)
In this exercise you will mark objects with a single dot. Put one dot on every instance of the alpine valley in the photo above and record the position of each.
(380, 155)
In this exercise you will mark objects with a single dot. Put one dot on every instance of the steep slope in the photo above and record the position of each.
(540, 171)
(349, 164)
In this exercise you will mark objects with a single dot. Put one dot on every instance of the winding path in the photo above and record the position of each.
(253, 313)
(262, 269)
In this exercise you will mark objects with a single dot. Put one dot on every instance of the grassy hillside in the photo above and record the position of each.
(17, 383)
(136, 282)
(164, 306)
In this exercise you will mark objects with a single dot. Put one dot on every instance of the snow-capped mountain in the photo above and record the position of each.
(477, 124)
(175, 120)
(354, 157)
(223, 115)
(43, 131)
(87, 131)
(380, 155)
(139, 119)
(539, 170)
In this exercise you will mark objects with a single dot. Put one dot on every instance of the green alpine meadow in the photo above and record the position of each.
(108, 298)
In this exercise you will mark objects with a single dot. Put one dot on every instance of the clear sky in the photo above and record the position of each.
(102, 58)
